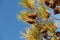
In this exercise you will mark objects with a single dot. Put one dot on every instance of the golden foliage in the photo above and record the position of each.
(27, 3)
(33, 32)
(54, 37)
(23, 15)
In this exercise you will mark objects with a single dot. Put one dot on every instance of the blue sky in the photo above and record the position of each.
(9, 25)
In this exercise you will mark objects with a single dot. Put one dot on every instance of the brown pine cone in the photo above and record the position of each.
(46, 2)
(44, 30)
(31, 21)
(58, 39)
(52, 4)
(33, 16)
(51, 1)
(56, 10)
(57, 2)
(57, 33)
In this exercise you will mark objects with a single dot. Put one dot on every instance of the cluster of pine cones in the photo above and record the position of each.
(51, 4)
(44, 30)
(54, 5)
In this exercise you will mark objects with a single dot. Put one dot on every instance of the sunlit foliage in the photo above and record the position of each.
(36, 13)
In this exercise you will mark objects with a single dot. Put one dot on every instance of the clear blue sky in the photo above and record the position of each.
(9, 25)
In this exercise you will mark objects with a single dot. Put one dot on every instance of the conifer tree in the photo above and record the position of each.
(36, 13)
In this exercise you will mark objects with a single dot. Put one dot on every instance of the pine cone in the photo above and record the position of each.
(58, 34)
(58, 39)
(44, 30)
(31, 21)
(56, 10)
(52, 4)
(46, 2)
(33, 16)
(57, 2)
